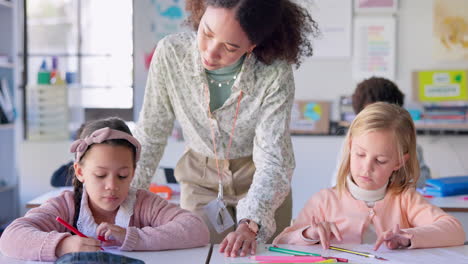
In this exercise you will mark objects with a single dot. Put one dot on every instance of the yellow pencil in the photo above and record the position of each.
(364, 254)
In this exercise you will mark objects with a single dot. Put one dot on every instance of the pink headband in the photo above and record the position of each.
(81, 145)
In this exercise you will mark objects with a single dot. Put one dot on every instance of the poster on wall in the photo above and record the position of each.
(334, 18)
(450, 30)
(378, 6)
(153, 20)
(374, 47)
(440, 85)
(310, 117)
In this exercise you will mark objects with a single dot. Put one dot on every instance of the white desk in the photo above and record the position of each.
(36, 202)
(434, 255)
(181, 256)
(451, 203)
(8, 260)
(454, 205)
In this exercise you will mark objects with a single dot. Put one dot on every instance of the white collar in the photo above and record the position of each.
(86, 223)
(365, 195)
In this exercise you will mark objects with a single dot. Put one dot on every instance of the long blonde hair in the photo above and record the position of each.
(389, 117)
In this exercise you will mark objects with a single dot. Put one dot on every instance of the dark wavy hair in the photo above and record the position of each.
(280, 29)
(113, 123)
(376, 89)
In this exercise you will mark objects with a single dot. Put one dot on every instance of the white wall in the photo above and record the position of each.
(315, 155)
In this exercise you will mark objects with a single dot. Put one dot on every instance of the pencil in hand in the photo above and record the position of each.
(74, 230)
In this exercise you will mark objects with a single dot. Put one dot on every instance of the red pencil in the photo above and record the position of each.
(71, 228)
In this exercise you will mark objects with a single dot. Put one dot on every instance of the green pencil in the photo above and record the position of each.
(292, 252)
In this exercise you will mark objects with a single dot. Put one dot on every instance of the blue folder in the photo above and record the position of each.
(447, 186)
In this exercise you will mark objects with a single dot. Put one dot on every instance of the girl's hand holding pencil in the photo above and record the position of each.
(323, 231)
(77, 244)
(112, 235)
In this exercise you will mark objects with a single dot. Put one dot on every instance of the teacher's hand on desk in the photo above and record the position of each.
(244, 239)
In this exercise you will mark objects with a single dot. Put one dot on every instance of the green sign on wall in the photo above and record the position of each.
(445, 85)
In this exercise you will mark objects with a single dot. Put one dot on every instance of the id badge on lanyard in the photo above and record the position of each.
(216, 210)
(218, 214)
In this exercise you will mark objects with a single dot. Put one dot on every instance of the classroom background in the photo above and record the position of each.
(357, 42)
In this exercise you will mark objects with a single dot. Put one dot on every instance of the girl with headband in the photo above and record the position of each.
(103, 205)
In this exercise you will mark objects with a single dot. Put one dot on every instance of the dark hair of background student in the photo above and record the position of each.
(376, 89)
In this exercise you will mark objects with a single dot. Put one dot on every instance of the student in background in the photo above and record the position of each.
(378, 89)
(103, 204)
(63, 176)
(375, 200)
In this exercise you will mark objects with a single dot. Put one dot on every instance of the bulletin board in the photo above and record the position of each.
(450, 30)
(374, 47)
(440, 85)
(310, 117)
(334, 19)
(153, 20)
(375, 6)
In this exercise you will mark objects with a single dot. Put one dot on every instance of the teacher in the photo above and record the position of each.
(230, 86)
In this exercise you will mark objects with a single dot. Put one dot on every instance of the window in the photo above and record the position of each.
(92, 40)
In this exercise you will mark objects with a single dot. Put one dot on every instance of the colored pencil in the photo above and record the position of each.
(364, 254)
(302, 253)
(288, 258)
(292, 252)
(71, 228)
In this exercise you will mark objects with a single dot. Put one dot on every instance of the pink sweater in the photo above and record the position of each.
(429, 225)
(155, 225)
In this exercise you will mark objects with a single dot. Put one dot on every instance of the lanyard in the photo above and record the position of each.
(239, 98)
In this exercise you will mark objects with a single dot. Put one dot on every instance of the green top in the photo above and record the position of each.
(220, 82)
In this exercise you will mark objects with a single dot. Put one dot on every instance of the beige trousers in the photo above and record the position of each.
(198, 178)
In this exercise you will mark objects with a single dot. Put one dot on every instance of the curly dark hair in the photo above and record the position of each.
(280, 29)
(376, 89)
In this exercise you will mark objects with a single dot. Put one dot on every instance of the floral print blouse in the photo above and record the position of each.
(176, 89)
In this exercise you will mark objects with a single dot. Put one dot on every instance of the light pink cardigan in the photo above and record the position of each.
(429, 225)
(155, 225)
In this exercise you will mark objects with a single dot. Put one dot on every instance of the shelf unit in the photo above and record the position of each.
(10, 133)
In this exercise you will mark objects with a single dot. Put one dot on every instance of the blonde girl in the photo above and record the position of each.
(375, 200)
